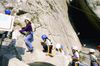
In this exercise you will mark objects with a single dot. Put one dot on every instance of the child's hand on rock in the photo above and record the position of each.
(47, 54)
(70, 54)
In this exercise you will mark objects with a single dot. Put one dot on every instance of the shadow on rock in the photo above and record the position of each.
(13, 50)
(41, 64)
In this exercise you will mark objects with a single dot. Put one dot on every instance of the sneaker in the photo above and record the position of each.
(28, 51)
(44, 51)
(31, 50)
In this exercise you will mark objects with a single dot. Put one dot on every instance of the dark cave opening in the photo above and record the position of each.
(82, 24)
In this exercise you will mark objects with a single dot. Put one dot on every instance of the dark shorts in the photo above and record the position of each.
(73, 63)
(94, 64)
(46, 49)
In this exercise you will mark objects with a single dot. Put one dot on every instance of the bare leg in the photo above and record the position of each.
(51, 54)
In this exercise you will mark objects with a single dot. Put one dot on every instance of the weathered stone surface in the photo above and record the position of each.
(49, 17)
(2, 8)
(95, 6)
(9, 60)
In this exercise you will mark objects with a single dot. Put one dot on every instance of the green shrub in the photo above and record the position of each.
(32, 18)
(39, 2)
(83, 58)
(34, 29)
(51, 6)
(37, 19)
(18, 23)
(29, 3)
(80, 52)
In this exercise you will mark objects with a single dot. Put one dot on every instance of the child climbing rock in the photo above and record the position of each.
(93, 58)
(59, 49)
(8, 12)
(47, 44)
(75, 57)
(29, 34)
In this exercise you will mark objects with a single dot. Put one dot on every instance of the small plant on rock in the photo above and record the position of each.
(32, 18)
(29, 3)
(80, 52)
(82, 58)
(18, 23)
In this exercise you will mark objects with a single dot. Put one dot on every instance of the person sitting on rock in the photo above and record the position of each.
(29, 34)
(59, 49)
(75, 57)
(47, 44)
(93, 58)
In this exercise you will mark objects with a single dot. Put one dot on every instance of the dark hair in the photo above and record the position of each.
(56, 49)
(48, 39)
(28, 21)
(7, 13)
(91, 52)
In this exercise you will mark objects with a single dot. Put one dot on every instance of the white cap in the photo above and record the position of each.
(75, 47)
(28, 19)
(91, 50)
(58, 46)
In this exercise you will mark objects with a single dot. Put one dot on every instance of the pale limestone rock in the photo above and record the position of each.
(15, 34)
(49, 17)
(95, 6)
(9, 60)
(2, 8)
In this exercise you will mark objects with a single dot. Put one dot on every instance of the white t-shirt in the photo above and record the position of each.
(76, 55)
(59, 53)
(48, 42)
(93, 57)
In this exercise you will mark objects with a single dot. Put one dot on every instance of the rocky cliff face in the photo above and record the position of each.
(49, 17)
(95, 6)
